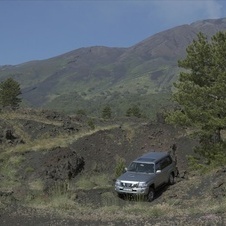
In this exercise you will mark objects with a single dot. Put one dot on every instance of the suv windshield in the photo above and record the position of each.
(141, 167)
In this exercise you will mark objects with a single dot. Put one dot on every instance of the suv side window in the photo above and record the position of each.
(160, 165)
(165, 162)
(157, 166)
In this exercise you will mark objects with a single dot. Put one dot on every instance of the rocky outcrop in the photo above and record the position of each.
(62, 164)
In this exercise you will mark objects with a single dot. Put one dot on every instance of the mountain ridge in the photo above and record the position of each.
(97, 75)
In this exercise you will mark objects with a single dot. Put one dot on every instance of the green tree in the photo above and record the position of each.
(106, 113)
(133, 111)
(9, 92)
(201, 92)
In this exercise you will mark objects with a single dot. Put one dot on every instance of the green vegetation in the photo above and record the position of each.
(9, 92)
(200, 94)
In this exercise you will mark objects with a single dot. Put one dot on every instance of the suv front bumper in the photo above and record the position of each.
(125, 190)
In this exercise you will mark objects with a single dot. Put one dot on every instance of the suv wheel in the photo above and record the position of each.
(171, 179)
(151, 194)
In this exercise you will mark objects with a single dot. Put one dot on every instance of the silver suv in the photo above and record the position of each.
(147, 173)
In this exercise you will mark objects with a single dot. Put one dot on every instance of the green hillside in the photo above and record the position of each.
(89, 78)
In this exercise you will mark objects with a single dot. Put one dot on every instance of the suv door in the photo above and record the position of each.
(166, 165)
(159, 177)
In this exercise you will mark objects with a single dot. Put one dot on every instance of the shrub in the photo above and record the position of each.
(91, 124)
(133, 111)
(120, 166)
(106, 113)
(81, 112)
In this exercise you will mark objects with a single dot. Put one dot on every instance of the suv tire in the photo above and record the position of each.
(121, 196)
(171, 180)
(151, 194)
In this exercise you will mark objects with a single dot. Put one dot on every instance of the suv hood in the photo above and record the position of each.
(136, 177)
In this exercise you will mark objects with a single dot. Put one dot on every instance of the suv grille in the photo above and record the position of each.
(129, 185)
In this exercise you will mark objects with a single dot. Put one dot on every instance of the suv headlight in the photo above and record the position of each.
(117, 182)
(142, 185)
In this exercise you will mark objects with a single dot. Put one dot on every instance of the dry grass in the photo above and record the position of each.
(51, 142)
(8, 168)
(36, 185)
(15, 115)
(60, 199)
(112, 210)
(94, 181)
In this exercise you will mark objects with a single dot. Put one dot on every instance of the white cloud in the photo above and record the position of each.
(214, 9)
(186, 11)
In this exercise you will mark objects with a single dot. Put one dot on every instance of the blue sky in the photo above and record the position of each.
(36, 30)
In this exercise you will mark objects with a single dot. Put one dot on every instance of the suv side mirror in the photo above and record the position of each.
(125, 169)
(158, 171)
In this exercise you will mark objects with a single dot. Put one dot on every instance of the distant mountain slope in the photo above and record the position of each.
(89, 78)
